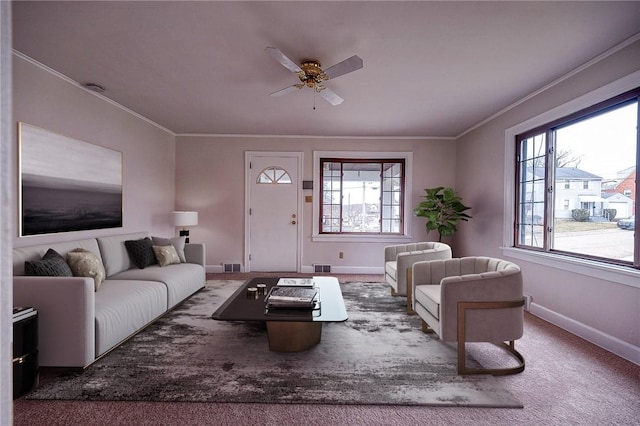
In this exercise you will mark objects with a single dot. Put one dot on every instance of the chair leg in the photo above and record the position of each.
(410, 310)
(426, 328)
(462, 368)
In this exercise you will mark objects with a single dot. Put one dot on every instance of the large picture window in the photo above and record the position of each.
(362, 196)
(577, 186)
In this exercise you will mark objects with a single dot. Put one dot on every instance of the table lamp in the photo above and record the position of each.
(184, 219)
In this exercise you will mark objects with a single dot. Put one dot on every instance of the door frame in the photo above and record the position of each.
(248, 155)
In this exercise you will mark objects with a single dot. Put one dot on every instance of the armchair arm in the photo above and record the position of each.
(406, 260)
(66, 317)
(484, 325)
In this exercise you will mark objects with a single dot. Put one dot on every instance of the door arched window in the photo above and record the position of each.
(274, 175)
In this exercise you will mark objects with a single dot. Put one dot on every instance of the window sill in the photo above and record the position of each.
(614, 273)
(343, 238)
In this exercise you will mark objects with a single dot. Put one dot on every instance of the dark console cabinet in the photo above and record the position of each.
(25, 354)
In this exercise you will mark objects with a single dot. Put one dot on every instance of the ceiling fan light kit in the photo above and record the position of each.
(311, 74)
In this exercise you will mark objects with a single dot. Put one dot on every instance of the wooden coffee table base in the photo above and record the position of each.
(292, 336)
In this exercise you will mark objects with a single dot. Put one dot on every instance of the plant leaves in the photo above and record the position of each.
(443, 209)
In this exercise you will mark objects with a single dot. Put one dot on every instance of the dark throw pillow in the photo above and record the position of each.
(141, 252)
(52, 264)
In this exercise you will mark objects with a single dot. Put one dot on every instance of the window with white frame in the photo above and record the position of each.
(598, 146)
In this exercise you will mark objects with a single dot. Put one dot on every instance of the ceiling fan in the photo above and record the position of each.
(312, 75)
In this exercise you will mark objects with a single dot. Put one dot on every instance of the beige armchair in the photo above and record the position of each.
(471, 299)
(399, 258)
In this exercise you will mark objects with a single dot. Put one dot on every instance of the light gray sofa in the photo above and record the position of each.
(77, 324)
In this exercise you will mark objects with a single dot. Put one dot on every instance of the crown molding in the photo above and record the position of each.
(71, 81)
(248, 136)
(554, 83)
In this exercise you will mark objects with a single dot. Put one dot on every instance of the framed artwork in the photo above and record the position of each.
(66, 184)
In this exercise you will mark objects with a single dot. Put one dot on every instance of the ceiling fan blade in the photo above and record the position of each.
(286, 90)
(331, 96)
(344, 67)
(280, 57)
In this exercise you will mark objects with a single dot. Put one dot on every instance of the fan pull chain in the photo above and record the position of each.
(314, 100)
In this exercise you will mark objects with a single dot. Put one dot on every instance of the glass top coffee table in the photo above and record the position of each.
(289, 330)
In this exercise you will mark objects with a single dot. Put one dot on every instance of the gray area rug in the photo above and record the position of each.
(379, 356)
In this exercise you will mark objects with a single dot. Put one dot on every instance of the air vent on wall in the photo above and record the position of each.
(231, 267)
(321, 268)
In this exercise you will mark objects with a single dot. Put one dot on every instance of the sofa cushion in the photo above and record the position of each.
(84, 263)
(141, 252)
(177, 242)
(429, 297)
(115, 257)
(166, 255)
(52, 264)
(123, 307)
(182, 280)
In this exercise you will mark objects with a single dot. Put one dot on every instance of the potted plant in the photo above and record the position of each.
(443, 209)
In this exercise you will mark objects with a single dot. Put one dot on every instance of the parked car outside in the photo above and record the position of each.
(628, 223)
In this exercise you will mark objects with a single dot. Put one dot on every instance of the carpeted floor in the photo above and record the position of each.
(568, 381)
(379, 356)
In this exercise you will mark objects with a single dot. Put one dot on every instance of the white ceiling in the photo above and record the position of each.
(430, 68)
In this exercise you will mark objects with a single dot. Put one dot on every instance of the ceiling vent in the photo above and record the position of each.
(94, 87)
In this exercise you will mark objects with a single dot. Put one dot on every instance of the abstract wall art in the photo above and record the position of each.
(66, 184)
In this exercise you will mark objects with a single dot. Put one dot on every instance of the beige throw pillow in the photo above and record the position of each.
(166, 255)
(177, 242)
(84, 263)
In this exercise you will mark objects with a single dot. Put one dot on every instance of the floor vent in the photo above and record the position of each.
(231, 267)
(321, 268)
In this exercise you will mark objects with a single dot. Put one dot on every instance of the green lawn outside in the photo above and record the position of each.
(573, 226)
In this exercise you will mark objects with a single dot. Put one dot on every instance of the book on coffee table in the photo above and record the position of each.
(295, 282)
(291, 297)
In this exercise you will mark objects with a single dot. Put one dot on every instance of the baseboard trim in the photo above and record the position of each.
(219, 269)
(612, 344)
(347, 269)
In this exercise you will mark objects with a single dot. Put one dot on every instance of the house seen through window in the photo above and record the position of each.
(576, 180)
(362, 196)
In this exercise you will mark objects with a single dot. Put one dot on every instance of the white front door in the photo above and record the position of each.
(273, 223)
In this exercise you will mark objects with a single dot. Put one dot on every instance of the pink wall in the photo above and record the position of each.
(206, 173)
(210, 179)
(44, 99)
(604, 311)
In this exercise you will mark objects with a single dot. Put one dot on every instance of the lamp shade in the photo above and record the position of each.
(184, 218)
